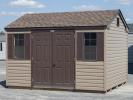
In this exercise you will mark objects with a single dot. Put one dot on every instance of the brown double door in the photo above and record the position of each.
(53, 62)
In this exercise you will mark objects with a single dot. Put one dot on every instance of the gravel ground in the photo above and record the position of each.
(122, 93)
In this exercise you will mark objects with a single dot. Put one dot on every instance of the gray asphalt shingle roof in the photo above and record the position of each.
(66, 19)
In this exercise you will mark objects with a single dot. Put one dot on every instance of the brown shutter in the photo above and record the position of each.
(100, 46)
(80, 45)
(10, 38)
(27, 46)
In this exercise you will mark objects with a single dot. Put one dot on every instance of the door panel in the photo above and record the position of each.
(63, 59)
(53, 61)
(41, 60)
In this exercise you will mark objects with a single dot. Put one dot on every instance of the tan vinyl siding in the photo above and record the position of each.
(18, 73)
(116, 55)
(89, 75)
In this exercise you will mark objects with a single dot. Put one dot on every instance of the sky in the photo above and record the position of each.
(10, 10)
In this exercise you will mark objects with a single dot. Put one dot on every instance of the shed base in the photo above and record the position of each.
(54, 87)
(66, 89)
(115, 87)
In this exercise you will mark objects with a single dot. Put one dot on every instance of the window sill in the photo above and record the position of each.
(89, 63)
(88, 60)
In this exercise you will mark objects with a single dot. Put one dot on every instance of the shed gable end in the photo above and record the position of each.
(116, 54)
(118, 19)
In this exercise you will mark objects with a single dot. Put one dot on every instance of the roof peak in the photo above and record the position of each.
(116, 10)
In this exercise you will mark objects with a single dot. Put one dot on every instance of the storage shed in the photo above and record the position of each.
(71, 50)
(2, 47)
(130, 44)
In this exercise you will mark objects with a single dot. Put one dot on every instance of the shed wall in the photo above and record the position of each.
(116, 55)
(89, 75)
(130, 48)
(18, 73)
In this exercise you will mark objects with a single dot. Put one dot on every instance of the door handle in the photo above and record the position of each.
(54, 65)
(32, 58)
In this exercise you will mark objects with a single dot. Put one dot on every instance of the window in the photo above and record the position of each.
(19, 46)
(1, 46)
(90, 46)
(118, 22)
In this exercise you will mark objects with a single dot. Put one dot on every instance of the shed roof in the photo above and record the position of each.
(130, 28)
(65, 19)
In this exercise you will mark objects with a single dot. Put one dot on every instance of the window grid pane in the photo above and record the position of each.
(90, 52)
(90, 46)
(19, 46)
